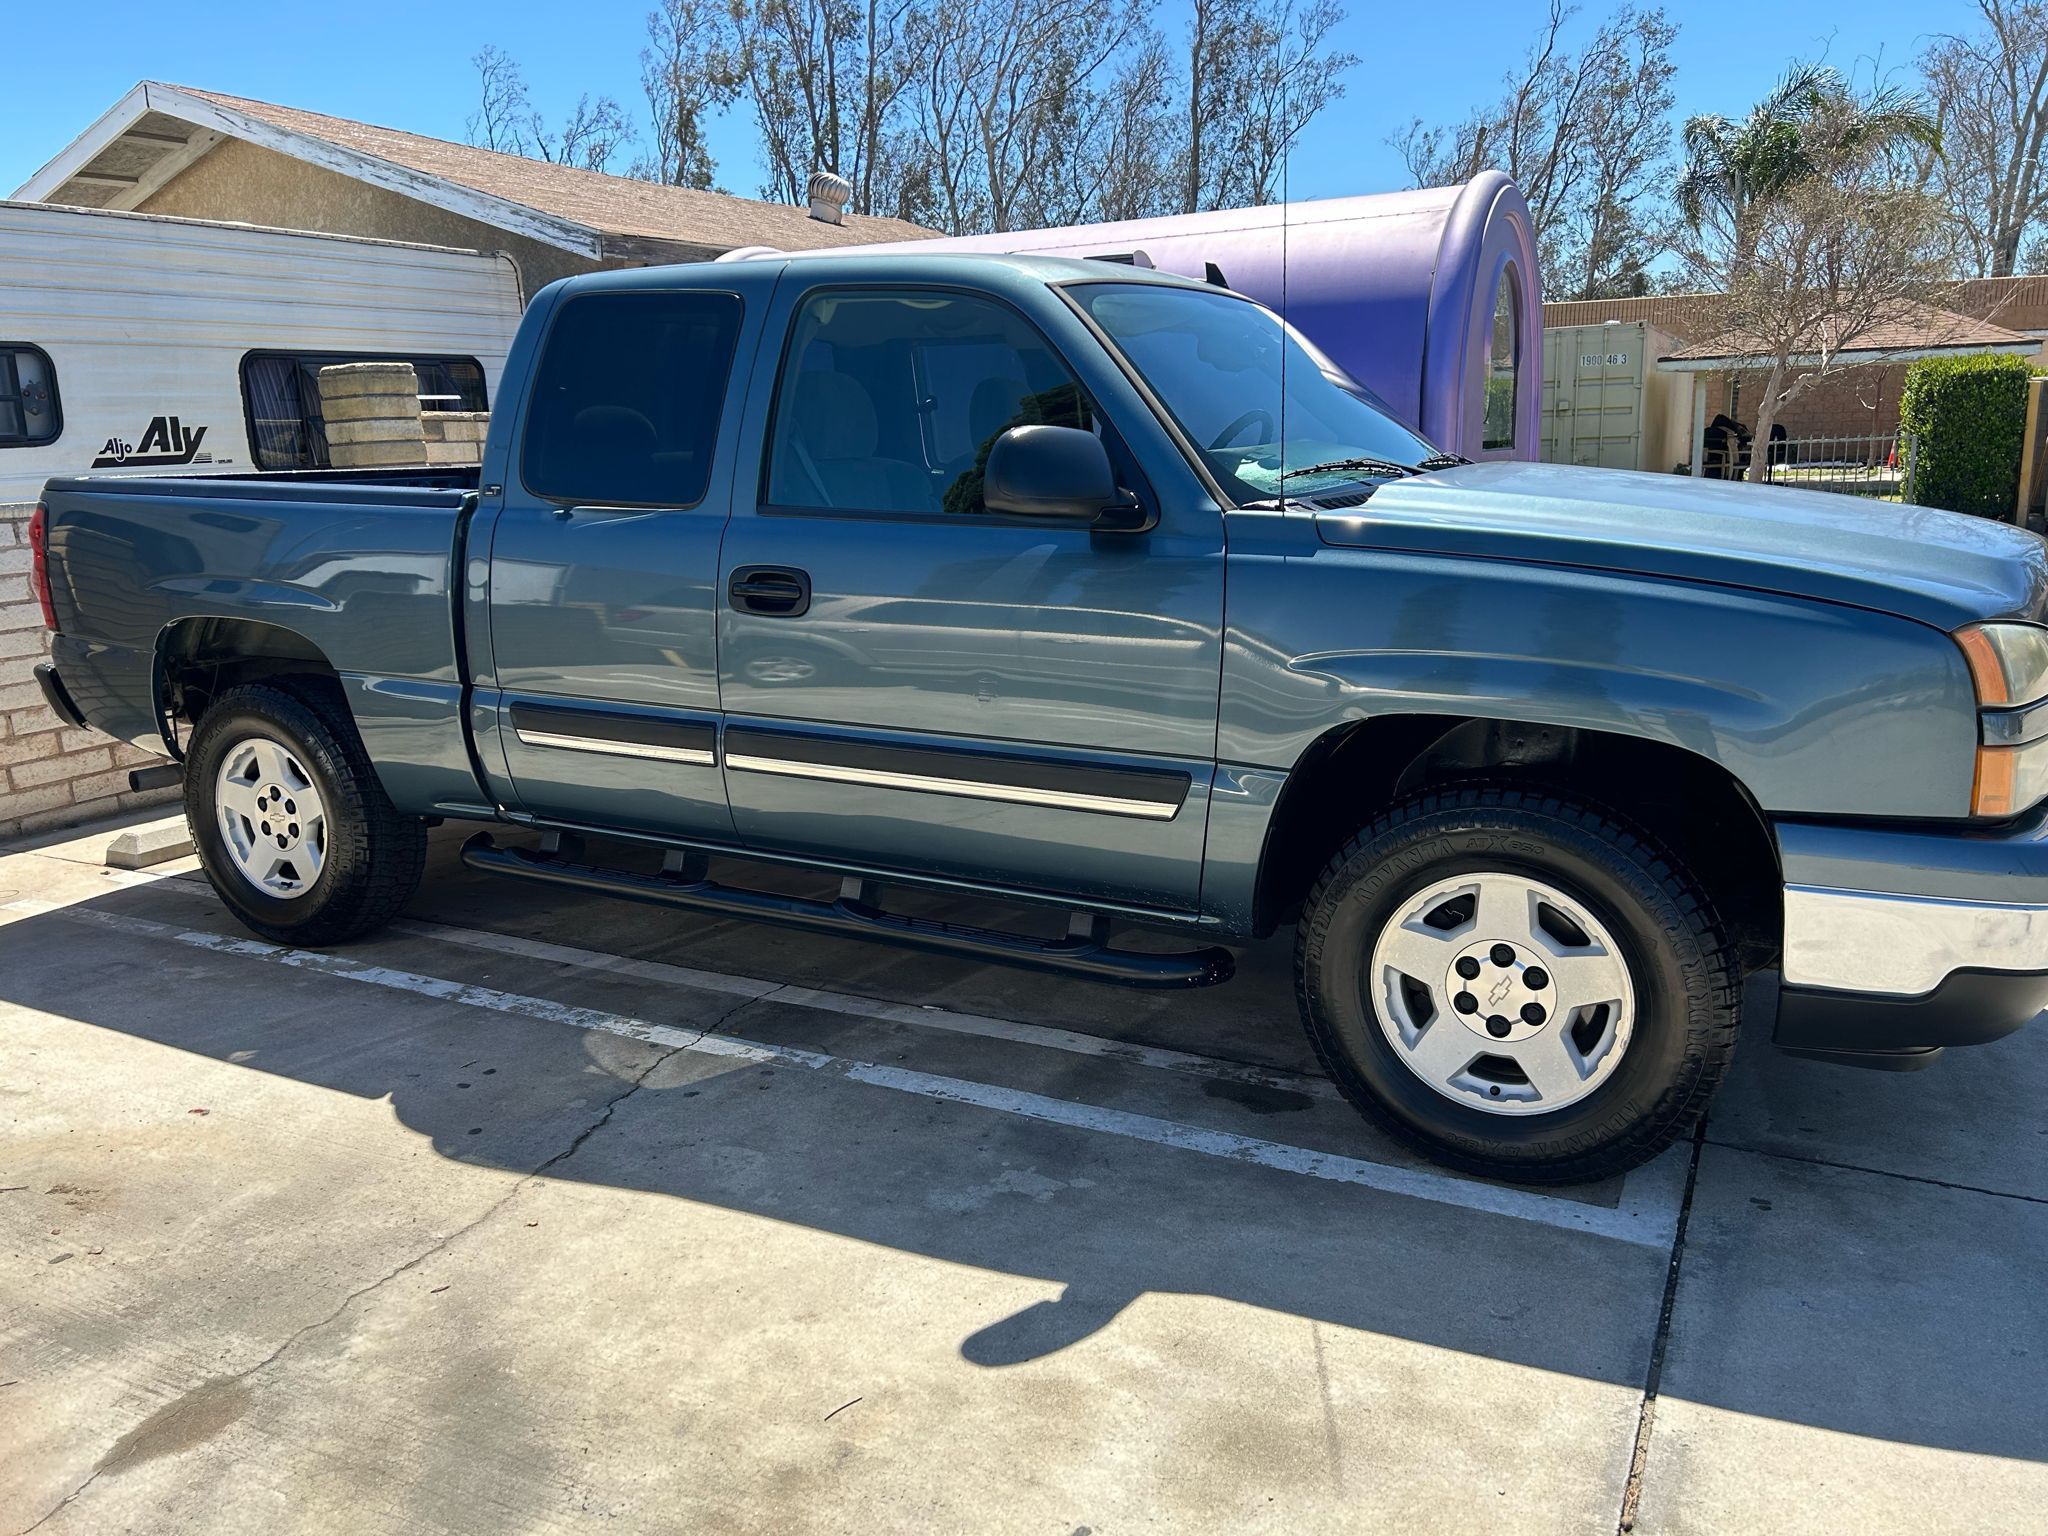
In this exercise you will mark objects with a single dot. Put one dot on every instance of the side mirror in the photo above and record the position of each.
(1039, 471)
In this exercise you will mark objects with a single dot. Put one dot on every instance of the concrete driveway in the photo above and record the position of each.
(542, 1213)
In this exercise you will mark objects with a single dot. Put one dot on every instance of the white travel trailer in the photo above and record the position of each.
(148, 345)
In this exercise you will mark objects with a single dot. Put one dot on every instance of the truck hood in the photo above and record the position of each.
(1941, 568)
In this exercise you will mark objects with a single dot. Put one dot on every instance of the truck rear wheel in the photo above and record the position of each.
(1517, 984)
(295, 833)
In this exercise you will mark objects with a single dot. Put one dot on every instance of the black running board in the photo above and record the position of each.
(1083, 951)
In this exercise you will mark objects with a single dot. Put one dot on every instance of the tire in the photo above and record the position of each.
(346, 862)
(1630, 1038)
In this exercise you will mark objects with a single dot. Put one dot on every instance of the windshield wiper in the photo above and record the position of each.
(1443, 461)
(1368, 466)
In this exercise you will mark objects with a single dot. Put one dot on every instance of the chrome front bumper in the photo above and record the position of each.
(1902, 945)
(1899, 941)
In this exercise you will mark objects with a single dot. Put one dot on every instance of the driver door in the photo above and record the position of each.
(959, 693)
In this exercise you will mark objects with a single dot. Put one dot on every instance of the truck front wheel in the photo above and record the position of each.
(1518, 984)
(295, 833)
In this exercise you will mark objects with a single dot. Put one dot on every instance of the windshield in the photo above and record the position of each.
(1255, 397)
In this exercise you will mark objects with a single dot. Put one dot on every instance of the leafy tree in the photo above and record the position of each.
(686, 76)
(1810, 125)
(1805, 221)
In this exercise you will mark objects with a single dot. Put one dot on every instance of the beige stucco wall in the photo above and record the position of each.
(252, 185)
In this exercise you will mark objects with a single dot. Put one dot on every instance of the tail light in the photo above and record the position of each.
(39, 562)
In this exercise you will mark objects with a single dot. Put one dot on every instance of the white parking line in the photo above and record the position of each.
(918, 1015)
(1645, 1216)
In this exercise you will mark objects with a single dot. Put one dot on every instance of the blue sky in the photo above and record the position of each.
(70, 62)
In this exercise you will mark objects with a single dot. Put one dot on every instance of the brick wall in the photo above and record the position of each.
(50, 775)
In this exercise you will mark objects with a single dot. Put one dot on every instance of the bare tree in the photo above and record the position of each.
(1135, 155)
(1990, 94)
(686, 76)
(503, 112)
(1006, 105)
(1813, 269)
(823, 77)
(1585, 135)
(507, 121)
(1259, 71)
(592, 134)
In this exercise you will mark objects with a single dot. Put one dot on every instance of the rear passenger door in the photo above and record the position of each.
(603, 561)
(912, 682)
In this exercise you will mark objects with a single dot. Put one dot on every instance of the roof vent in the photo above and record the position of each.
(829, 195)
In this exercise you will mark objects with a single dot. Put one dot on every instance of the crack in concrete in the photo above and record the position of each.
(1880, 1173)
(440, 1245)
(1653, 1380)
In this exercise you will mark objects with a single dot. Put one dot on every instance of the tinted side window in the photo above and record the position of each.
(627, 398)
(28, 396)
(889, 402)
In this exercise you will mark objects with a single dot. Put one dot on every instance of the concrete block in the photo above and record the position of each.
(13, 558)
(344, 379)
(16, 749)
(19, 669)
(100, 786)
(132, 800)
(155, 842)
(20, 696)
(14, 589)
(52, 770)
(376, 455)
(23, 642)
(382, 429)
(454, 453)
(17, 804)
(456, 426)
(26, 720)
(369, 407)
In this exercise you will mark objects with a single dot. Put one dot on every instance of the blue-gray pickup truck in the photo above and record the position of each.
(1106, 594)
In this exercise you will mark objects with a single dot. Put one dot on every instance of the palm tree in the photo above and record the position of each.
(1810, 124)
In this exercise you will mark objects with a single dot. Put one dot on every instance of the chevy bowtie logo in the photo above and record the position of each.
(165, 441)
(1501, 989)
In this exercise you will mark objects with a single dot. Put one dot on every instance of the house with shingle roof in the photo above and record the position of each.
(199, 154)
(2002, 314)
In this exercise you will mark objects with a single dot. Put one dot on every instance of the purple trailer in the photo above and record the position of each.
(1431, 299)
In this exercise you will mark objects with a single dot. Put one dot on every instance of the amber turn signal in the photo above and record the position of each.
(1996, 791)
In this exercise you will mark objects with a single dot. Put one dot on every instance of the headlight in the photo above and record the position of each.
(2008, 662)
(2009, 667)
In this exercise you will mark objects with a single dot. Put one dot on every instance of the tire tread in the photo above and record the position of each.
(1711, 1031)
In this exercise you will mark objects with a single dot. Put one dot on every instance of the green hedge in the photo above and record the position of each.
(1969, 415)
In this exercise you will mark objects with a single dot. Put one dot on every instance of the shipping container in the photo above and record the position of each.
(1606, 404)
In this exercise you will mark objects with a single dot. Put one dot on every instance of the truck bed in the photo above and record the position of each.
(359, 564)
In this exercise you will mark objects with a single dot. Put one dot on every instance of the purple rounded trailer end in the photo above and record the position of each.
(1402, 289)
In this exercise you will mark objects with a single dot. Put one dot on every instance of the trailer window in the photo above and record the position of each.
(1503, 359)
(281, 396)
(28, 396)
(627, 398)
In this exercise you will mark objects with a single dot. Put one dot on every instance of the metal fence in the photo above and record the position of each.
(1880, 466)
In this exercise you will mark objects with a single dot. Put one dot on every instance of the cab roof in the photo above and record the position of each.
(852, 264)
